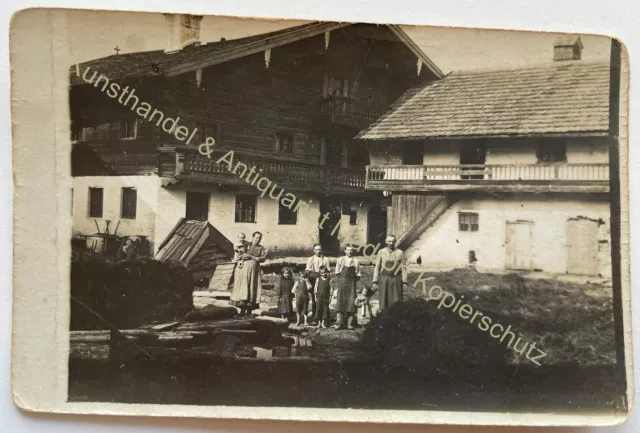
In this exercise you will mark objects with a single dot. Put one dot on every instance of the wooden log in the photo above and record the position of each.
(276, 320)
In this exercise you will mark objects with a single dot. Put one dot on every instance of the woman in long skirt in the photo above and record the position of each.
(247, 286)
(348, 270)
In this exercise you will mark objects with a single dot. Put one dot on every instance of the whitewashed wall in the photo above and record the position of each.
(279, 239)
(444, 246)
(147, 204)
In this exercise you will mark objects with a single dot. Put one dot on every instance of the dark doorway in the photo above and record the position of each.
(333, 152)
(197, 206)
(331, 207)
(377, 225)
(473, 153)
(413, 153)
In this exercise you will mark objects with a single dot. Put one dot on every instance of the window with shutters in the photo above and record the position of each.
(95, 202)
(468, 222)
(246, 208)
(129, 203)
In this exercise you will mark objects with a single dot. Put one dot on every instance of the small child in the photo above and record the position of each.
(240, 251)
(242, 240)
(363, 301)
(324, 294)
(283, 291)
(301, 288)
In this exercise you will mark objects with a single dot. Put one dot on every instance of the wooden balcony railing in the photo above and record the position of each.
(348, 111)
(404, 177)
(297, 175)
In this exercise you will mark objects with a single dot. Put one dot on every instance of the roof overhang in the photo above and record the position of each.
(254, 47)
(416, 50)
(577, 134)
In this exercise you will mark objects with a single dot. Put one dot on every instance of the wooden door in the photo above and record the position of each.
(328, 233)
(582, 247)
(519, 244)
(334, 152)
(473, 153)
(376, 225)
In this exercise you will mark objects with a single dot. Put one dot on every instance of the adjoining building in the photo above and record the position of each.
(501, 169)
(288, 103)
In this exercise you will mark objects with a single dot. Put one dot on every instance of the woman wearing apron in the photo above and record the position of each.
(348, 271)
(389, 274)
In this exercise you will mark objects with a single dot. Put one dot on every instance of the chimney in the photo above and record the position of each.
(184, 30)
(567, 48)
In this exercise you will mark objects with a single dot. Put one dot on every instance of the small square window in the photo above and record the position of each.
(95, 202)
(288, 216)
(206, 129)
(468, 222)
(128, 129)
(246, 208)
(129, 203)
(284, 143)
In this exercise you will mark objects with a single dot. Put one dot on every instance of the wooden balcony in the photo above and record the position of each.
(189, 164)
(349, 112)
(505, 178)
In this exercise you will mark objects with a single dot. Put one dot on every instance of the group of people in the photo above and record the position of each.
(315, 290)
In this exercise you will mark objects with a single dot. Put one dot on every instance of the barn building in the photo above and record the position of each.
(501, 169)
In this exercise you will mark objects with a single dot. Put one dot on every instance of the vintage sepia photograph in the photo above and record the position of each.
(335, 215)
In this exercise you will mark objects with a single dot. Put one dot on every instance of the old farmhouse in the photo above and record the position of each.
(502, 169)
(288, 102)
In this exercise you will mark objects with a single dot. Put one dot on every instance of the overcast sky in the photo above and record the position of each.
(96, 34)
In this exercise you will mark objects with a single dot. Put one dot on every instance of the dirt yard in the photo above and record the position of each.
(572, 321)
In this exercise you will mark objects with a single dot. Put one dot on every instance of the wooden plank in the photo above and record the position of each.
(173, 230)
(221, 277)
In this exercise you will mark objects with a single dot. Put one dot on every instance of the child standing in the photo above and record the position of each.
(301, 289)
(283, 291)
(323, 293)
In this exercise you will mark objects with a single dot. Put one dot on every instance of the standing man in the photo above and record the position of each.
(390, 274)
(315, 262)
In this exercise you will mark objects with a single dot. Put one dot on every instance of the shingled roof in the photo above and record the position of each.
(564, 98)
(158, 63)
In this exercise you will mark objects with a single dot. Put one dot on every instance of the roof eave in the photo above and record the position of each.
(256, 47)
(416, 50)
(597, 133)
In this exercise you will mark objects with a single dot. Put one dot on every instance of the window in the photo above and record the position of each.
(129, 203)
(286, 215)
(206, 129)
(551, 152)
(468, 222)
(128, 129)
(350, 208)
(246, 208)
(336, 86)
(95, 202)
(284, 143)
(197, 206)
